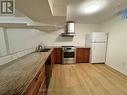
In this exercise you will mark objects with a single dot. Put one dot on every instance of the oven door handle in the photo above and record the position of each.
(68, 51)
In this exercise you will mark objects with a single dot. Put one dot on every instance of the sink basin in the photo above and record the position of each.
(45, 50)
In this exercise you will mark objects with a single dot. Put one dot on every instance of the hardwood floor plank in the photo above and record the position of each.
(87, 79)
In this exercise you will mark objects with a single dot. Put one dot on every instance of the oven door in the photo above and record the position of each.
(69, 56)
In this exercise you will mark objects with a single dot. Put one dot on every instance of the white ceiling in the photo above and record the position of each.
(111, 7)
(38, 10)
(73, 13)
(57, 12)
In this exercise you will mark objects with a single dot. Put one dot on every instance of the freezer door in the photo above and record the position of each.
(99, 37)
(98, 53)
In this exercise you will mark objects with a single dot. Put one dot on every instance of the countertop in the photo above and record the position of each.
(15, 76)
(65, 45)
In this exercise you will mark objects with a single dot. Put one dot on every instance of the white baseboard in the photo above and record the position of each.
(118, 69)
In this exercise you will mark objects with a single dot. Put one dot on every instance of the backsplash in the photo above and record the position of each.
(9, 58)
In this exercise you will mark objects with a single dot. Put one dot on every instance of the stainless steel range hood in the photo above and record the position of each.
(69, 29)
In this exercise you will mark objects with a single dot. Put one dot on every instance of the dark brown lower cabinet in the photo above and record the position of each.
(82, 55)
(37, 85)
(42, 90)
(57, 55)
(52, 59)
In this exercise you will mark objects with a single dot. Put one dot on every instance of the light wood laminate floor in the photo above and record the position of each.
(87, 79)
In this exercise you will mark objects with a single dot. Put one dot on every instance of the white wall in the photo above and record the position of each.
(21, 39)
(3, 50)
(55, 39)
(117, 46)
(11, 57)
(19, 42)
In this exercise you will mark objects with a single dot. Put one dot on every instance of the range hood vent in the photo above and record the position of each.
(69, 29)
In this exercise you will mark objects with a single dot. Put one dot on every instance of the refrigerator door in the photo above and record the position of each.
(99, 37)
(88, 43)
(98, 53)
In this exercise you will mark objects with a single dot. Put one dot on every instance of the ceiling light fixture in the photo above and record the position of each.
(92, 8)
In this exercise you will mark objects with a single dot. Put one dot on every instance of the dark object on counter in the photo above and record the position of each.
(39, 48)
(45, 50)
(42, 49)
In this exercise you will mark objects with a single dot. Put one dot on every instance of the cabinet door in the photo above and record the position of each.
(42, 90)
(36, 83)
(58, 55)
(52, 59)
(78, 55)
(86, 55)
(82, 55)
(98, 53)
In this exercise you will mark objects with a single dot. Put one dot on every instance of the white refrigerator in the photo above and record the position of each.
(97, 42)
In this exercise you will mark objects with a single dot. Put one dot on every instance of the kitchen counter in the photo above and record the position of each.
(65, 45)
(15, 76)
(81, 47)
